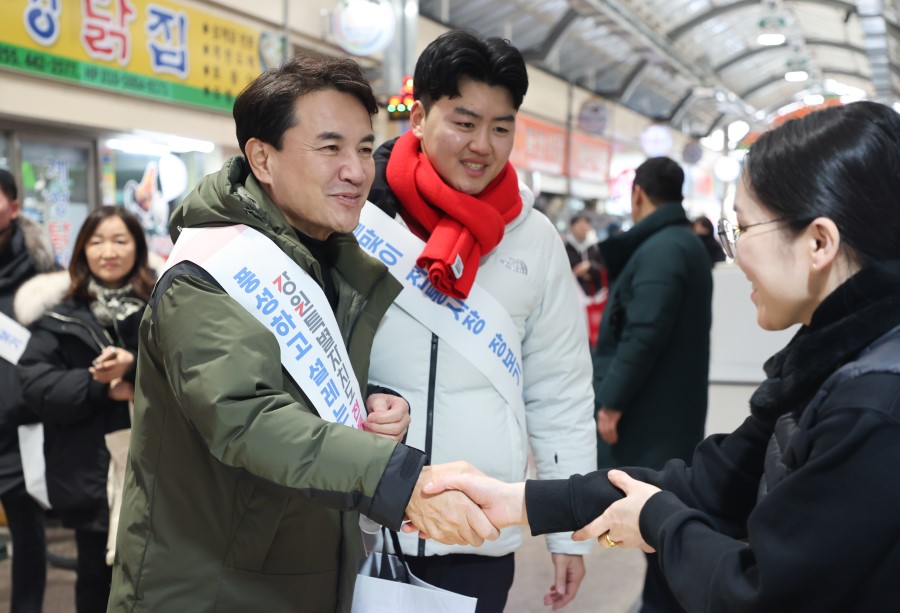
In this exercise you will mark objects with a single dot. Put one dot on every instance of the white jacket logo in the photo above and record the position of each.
(515, 265)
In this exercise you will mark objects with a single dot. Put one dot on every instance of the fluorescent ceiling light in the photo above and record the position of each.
(153, 147)
(795, 76)
(180, 144)
(737, 130)
(137, 147)
(770, 39)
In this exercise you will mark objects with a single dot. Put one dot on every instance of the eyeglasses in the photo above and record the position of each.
(729, 235)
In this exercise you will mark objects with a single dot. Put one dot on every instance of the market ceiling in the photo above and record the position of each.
(696, 64)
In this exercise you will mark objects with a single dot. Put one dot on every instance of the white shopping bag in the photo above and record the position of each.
(385, 585)
(117, 443)
(31, 446)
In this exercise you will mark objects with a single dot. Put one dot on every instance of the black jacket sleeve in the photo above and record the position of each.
(54, 390)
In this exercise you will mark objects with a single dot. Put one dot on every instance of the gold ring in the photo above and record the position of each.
(609, 542)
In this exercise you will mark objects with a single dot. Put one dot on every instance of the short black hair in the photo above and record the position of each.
(8, 184)
(842, 163)
(661, 179)
(578, 217)
(456, 54)
(265, 108)
(704, 221)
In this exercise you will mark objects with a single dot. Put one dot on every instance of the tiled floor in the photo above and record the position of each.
(59, 595)
(612, 584)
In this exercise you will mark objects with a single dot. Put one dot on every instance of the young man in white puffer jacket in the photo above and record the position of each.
(455, 160)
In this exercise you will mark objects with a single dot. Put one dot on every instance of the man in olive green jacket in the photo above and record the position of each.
(238, 496)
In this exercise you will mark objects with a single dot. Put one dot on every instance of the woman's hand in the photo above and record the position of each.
(619, 524)
(121, 390)
(111, 364)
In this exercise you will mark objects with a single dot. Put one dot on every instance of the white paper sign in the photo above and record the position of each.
(13, 338)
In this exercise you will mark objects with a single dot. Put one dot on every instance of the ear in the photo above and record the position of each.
(14, 208)
(823, 241)
(257, 154)
(417, 119)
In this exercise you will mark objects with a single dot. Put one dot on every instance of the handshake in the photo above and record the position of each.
(456, 504)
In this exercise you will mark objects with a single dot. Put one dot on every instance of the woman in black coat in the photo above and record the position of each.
(77, 375)
(798, 509)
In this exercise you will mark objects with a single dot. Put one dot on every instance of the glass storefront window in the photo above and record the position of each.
(150, 185)
(56, 189)
(4, 151)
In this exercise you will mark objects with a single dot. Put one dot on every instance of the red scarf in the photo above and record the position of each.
(458, 228)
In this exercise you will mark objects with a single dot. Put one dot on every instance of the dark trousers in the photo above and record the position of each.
(657, 597)
(29, 560)
(486, 578)
(93, 577)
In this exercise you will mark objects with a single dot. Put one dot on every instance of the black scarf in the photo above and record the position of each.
(862, 309)
(112, 305)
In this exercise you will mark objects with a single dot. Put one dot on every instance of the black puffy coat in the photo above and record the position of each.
(29, 252)
(76, 410)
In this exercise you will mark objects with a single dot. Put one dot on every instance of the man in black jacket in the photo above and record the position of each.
(651, 365)
(25, 251)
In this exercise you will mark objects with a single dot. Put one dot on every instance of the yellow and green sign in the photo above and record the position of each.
(153, 49)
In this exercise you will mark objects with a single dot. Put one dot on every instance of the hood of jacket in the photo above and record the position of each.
(39, 295)
(382, 194)
(618, 249)
(32, 252)
(229, 196)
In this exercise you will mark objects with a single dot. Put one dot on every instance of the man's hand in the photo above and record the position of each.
(388, 416)
(111, 364)
(569, 574)
(620, 521)
(449, 517)
(607, 424)
(582, 269)
(502, 503)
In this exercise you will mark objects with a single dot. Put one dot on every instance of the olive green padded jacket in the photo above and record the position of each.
(238, 497)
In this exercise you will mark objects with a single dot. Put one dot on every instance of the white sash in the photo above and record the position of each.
(478, 327)
(286, 300)
(13, 338)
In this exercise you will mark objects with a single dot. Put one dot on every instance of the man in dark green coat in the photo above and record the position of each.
(651, 363)
(238, 496)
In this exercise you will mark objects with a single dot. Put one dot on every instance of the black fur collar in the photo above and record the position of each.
(862, 309)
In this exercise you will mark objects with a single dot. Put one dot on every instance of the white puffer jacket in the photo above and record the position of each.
(528, 273)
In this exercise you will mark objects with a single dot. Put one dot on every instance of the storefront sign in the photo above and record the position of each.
(149, 48)
(656, 140)
(539, 146)
(593, 117)
(363, 27)
(590, 158)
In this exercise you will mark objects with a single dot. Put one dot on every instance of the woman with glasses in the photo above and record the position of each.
(799, 508)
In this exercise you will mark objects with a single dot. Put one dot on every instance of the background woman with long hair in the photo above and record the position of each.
(77, 373)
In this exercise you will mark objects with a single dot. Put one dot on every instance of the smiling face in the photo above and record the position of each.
(110, 252)
(777, 264)
(467, 138)
(321, 176)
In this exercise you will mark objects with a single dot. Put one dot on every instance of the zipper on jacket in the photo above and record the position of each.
(74, 320)
(429, 419)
